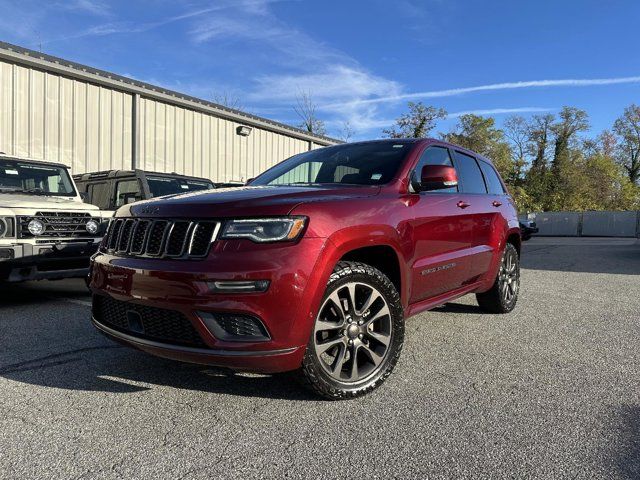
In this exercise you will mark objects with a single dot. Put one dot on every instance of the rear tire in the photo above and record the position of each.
(503, 296)
(357, 336)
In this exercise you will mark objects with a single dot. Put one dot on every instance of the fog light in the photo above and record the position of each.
(239, 286)
(36, 227)
(234, 327)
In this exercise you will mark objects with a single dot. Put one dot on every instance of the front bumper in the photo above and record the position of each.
(45, 261)
(184, 287)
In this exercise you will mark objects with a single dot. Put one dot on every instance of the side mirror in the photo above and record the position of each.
(437, 177)
(85, 197)
(249, 181)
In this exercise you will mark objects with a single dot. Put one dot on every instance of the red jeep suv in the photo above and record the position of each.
(314, 266)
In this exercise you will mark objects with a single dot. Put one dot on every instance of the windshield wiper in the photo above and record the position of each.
(12, 190)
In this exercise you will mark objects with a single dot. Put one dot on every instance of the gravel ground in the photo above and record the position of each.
(549, 391)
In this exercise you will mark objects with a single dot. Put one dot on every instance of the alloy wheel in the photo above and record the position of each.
(509, 276)
(353, 332)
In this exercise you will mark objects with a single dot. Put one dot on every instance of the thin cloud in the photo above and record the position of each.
(496, 86)
(500, 111)
(93, 7)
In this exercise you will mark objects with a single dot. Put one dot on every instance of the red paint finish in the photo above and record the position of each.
(443, 251)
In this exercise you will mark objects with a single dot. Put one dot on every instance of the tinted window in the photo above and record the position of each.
(159, 186)
(127, 191)
(99, 193)
(491, 177)
(373, 163)
(436, 156)
(469, 174)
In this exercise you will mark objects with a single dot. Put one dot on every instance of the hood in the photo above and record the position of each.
(242, 201)
(20, 203)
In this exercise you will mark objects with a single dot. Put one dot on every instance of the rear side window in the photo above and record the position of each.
(99, 193)
(436, 156)
(127, 191)
(491, 177)
(470, 174)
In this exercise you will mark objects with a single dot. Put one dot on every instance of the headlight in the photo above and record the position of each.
(265, 229)
(92, 227)
(36, 227)
(3, 227)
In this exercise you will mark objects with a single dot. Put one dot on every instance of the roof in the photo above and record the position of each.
(42, 61)
(131, 173)
(29, 160)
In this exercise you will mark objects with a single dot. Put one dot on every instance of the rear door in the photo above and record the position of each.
(477, 204)
(442, 234)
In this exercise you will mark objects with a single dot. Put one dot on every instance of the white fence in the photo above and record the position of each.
(588, 224)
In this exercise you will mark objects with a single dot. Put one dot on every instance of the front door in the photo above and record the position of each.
(442, 233)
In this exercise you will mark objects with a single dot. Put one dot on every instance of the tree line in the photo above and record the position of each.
(546, 161)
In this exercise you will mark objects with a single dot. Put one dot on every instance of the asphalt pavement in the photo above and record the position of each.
(551, 390)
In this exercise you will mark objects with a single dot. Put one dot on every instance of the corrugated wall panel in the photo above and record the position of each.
(6, 108)
(195, 143)
(89, 127)
(49, 117)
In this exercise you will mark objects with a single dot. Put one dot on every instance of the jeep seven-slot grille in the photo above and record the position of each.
(167, 326)
(160, 238)
(58, 225)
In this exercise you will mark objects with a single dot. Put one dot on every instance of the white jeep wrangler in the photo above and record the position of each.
(46, 231)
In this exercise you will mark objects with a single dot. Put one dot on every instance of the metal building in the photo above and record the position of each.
(91, 120)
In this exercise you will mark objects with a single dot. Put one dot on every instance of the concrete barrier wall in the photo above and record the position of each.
(609, 224)
(558, 223)
(588, 224)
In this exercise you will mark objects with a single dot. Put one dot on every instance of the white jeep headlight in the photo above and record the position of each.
(265, 229)
(3, 227)
(36, 227)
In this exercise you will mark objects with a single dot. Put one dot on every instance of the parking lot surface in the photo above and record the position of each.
(549, 391)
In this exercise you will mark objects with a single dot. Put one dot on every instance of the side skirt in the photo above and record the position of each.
(433, 302)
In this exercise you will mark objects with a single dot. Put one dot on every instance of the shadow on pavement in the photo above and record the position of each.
(614, 258)
(625, 452)
(27, 293)
(72, 355)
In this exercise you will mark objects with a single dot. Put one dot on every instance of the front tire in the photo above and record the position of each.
(357, 336)
(503, 296)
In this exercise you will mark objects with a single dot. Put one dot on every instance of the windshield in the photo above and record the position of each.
(34, 178)
(374, 163)
(159, 186)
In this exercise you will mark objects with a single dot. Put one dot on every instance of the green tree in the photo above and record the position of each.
(571, 122)
(480, 134)
(627, 129)
(540, 136)
(420, 120)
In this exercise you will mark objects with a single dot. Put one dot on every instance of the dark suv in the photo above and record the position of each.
(313, 267)
(111, 189)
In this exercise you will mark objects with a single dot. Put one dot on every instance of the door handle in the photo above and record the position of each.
(463, 204)
(496, 203)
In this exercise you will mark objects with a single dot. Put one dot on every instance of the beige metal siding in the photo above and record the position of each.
(175, 139)
(49, 117)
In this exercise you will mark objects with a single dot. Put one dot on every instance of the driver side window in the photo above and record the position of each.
(436, 156)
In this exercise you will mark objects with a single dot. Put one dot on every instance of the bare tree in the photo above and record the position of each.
(346, 132)
(420, 120)
(305, 108)
(227, 99)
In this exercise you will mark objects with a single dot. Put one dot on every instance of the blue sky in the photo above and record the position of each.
(361, 61)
